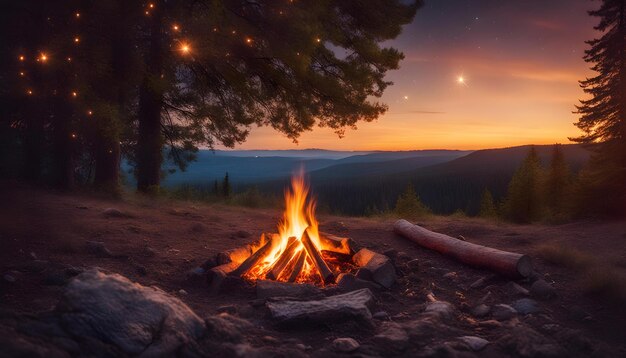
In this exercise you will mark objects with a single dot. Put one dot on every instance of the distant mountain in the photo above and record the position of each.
(289, 153)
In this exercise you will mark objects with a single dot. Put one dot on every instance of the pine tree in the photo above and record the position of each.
(523, 202)
(238, 64)
(603, 116)
(409, 204)
(557, 184)
(226, 190)
(487, 205)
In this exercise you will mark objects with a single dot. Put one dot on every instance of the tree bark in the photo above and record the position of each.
(150, 141)
(506, 263)
(107, 155)
(63, 143)
(33, 143)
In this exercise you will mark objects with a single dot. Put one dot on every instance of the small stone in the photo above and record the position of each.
(349, 282)
(383, 271)
(98, 248)
(503, 312)
(515, 290)
(542, 290)
(392, 337)
(114, 213)
(475, 343)
(270, 340)
(526, 306)
(484, 298)
(149, 251)
(451, 275)
(33, 255)
(381, 315)
(182, 292)
(440, 309)
(391, 253)
(403, 256)
(478, 283)
(461, 237)
(491, 323)
(345, 345)
(230, 309)
(9, 278)
(481, 310)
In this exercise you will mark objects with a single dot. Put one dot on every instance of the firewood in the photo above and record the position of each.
(284, 259)
(297, 268)
(316, 256)
(256, 257)
(334, 243)
(506, 263)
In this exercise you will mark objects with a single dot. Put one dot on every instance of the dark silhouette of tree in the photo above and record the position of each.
(409, 204)
(226, 189)
(487, 205)
(523, 202)
(603, 116)
(558, 182)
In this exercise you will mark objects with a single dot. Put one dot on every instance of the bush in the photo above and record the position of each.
(250, 198)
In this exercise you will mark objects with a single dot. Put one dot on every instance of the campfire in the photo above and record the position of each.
(298, 252)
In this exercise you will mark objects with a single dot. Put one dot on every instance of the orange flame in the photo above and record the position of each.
(299, 215)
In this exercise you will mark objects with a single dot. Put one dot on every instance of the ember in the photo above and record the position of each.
(299, 252)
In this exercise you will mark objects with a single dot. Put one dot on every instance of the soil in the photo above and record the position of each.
(38, 224)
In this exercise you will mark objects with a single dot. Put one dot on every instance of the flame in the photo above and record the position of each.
(299, 215)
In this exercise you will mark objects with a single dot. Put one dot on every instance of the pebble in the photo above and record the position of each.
(345, 345)
(526, 306)
(440, 308)
(182, 292)
(478, 283)
(542, 290)
(9, 278)
(475, 343)
(230, 309)
(392, 337)
(481, 310)
(491, 323)
(515, 290)
(451, 275)
(381, 315)
(503, 312)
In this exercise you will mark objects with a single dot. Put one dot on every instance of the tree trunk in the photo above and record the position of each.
(107, 155)
(507, 263)
(33, 143)
(63, 140)
(150, 141)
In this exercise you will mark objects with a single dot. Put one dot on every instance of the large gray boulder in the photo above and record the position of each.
(139, 320)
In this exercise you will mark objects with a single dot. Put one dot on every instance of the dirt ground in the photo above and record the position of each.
(46, 225)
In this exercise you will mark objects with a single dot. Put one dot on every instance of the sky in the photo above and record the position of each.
(520, 62)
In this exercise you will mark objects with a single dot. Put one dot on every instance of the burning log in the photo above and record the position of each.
(316, 257)
(507, 263)
(255, 258)
(283, 259)
(297, 268)
(334, 243)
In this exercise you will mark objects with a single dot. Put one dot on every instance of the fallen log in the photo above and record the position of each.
(256, 257)
(316, 257)
(284, 259)
(506, 263)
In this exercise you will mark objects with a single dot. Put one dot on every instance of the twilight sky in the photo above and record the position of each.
(520, 61)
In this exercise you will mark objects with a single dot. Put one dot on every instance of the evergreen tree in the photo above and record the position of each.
(557, 184)
(409, 204)
(216, 188)
(226, 190)
(523, 203)
(487, 205)
(603, 115)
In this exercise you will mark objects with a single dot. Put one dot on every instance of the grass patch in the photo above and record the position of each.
(605, 282)
(565, 256)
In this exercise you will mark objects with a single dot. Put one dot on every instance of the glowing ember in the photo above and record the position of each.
(295, 253)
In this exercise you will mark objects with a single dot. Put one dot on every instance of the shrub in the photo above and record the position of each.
(409, 204)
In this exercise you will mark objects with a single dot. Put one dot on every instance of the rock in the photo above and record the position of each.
(266, 289)
(391, 253)
(227, 328)
(514, 289)
(197, 274)
(381, 267)
(33, 255)
(339, 308)
(526, 306)
(478, 283)
(381, 315)
(98, 248)
(9, 278)
(523, 341)
(182, 292)
(230, 309)
(114, 213)
(461, 237)
(348, 282)
(474, 343)
(391, 337)
(451, 275)
(481, 310)
(345, 345)
(440, 309)
(503, 312)
(403, 257)
(542, 290)
(137, 319)
(490, 323)
(485, 298)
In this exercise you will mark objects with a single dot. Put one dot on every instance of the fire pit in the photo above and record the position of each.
(299, 252)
